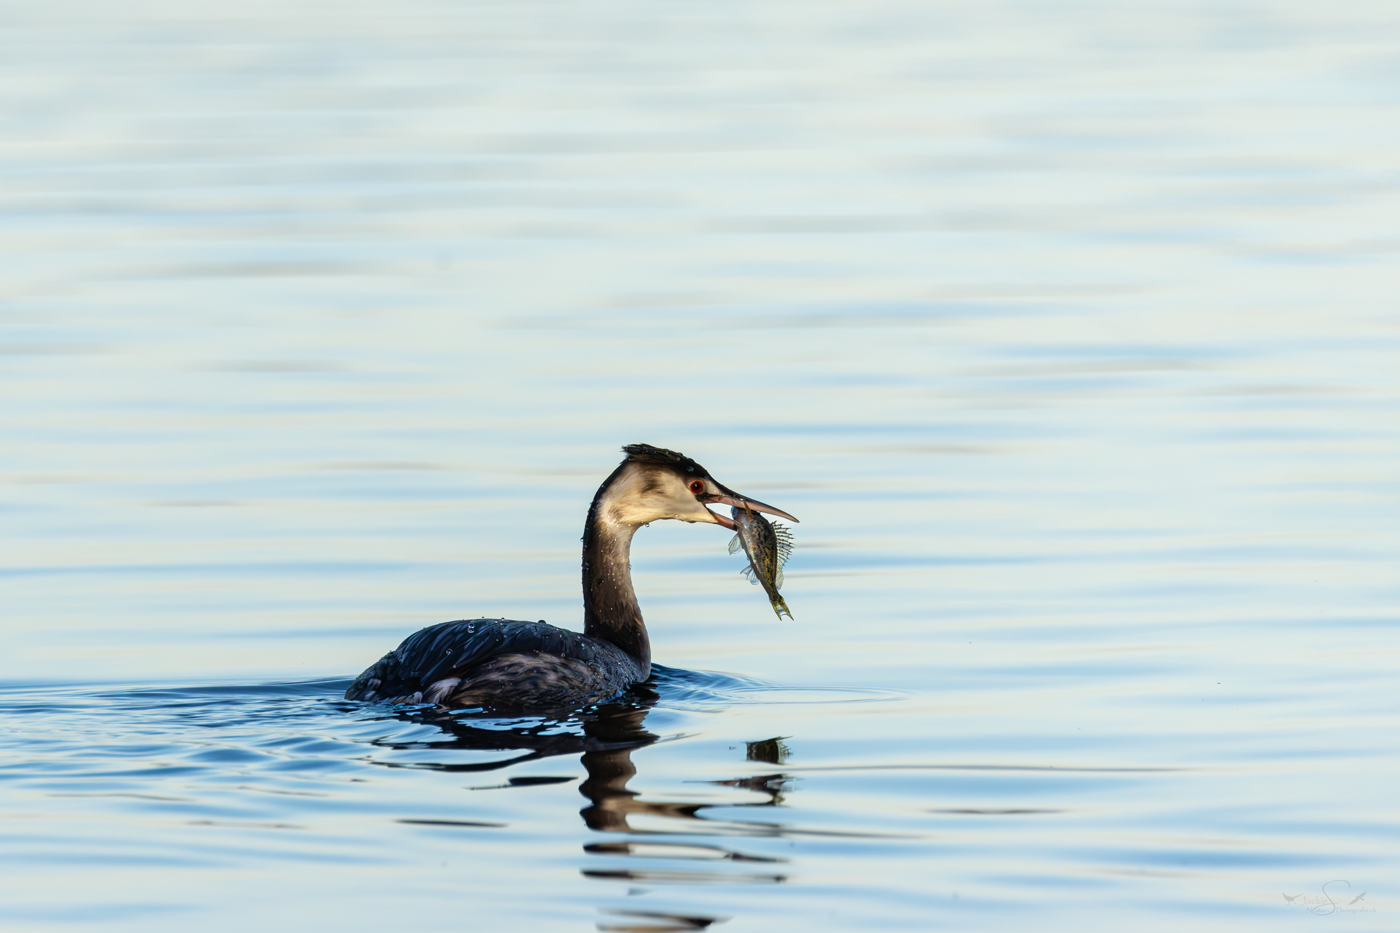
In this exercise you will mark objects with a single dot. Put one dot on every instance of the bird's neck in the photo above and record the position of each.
(610, 610)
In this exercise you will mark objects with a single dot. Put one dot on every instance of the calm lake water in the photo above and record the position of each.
(1069, 331)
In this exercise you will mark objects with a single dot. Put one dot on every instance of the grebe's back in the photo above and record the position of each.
(502, 664)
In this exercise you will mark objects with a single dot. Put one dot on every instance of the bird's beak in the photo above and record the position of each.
(730, 497)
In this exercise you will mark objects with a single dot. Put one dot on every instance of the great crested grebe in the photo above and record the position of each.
(505, 664)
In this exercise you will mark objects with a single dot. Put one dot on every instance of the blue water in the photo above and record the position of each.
(1068, 331)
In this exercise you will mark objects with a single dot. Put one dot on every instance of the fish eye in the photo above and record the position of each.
(697, 486)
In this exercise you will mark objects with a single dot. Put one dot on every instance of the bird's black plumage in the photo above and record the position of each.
(502, 663)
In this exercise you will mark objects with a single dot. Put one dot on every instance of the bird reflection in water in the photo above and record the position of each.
(605, 737)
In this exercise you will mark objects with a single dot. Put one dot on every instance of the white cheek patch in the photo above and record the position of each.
(642, 510)
(634, 500)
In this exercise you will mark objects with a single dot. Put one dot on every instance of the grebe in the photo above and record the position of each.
(505, 664)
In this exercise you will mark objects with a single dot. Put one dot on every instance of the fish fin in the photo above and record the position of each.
(778, 580)
(748, 574)
(735, 544)
(780, 607)
(783, 538)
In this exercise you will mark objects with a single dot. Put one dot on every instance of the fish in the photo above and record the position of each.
(767, 546)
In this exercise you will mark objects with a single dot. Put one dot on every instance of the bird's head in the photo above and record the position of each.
(654, 484)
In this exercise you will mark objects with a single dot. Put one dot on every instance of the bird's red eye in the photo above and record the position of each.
(697, 486)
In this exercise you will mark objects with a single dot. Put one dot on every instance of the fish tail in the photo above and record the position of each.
(780, 607)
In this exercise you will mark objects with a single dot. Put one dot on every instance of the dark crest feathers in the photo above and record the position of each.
(645, 453)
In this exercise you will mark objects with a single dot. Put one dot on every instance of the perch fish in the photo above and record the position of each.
(767, 545)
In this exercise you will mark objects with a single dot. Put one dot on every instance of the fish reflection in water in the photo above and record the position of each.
(605, 737)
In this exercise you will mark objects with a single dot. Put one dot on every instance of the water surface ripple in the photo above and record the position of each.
(1068, 330)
